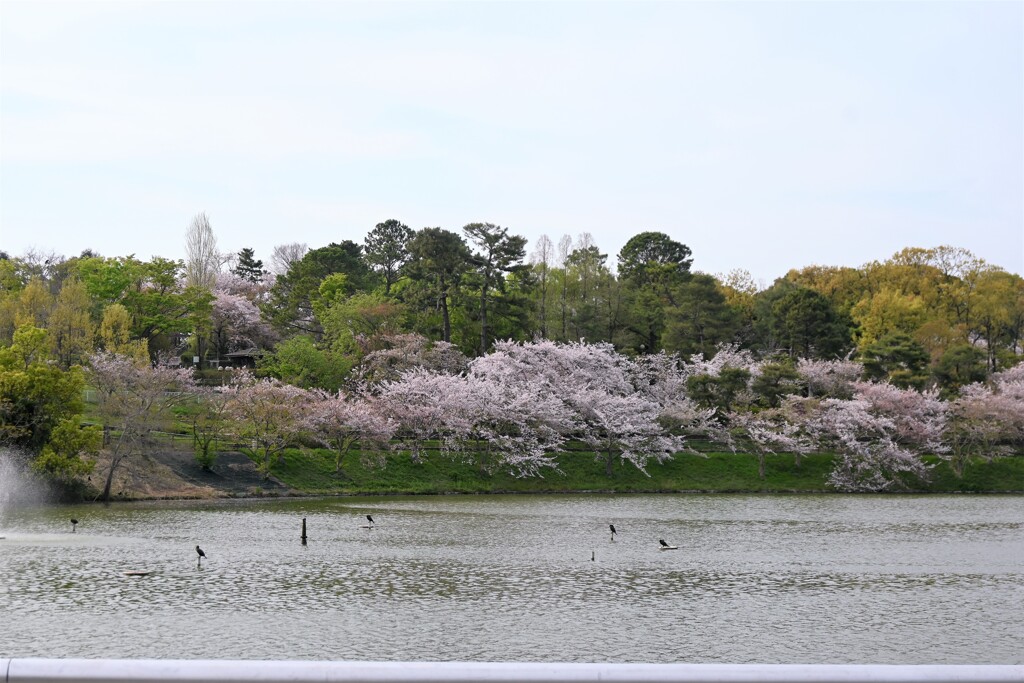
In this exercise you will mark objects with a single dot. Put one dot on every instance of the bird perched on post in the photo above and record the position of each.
(612, 527)
(201, 554)
(74, 523)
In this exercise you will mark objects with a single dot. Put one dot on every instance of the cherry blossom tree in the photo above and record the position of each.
(210, 418)
(556, 364)
(769, 431)
(401, 352)
(515, 413)
(269, 417)
(867, 456)
(235, 319)
(832, 378)
(521, 402)
(622, 426)
(492, 413)
(236, 324)
(594, 383)
(339, 421)
(525, 427)
(918, 418)
(134, 399)
(987, 419)
(726, 356)
(256, 291)
(663, 378)
(426, 405)
(660, 377)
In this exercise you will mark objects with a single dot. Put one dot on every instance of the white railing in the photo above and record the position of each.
(228, 671)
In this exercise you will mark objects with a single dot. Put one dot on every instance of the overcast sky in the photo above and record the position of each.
(764, 135)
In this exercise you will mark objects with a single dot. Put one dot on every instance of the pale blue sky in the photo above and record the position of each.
(764, 135)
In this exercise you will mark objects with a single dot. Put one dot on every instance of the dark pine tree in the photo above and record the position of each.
(249, 267)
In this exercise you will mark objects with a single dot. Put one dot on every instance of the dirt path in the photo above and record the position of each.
(173, 473)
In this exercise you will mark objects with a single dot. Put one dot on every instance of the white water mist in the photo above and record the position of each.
(18, 486)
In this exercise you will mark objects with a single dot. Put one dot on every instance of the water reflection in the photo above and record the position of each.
(756, 579)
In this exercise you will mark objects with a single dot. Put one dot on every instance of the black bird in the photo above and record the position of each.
(74, 522)
(201, 554)
(612, 527)
(369, 518)
(662, 542)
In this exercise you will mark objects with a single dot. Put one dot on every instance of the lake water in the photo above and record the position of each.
(773, 579)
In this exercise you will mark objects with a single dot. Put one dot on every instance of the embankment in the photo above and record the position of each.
(173, 473)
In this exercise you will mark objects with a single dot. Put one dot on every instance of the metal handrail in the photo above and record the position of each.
(236, 671)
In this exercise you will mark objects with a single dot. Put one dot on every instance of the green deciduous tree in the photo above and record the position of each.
(354, 325)
(70, 452)
(160, 305)
(998, 314)
(153, 293)
(888, 312)
(35, 395)
(290, 304)
(302, 362)
(35, 302)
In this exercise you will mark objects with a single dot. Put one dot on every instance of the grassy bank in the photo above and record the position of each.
(313, 472)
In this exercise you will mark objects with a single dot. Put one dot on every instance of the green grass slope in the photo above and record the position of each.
(313, 472)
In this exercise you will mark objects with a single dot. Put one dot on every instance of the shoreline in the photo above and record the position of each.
(173, 475)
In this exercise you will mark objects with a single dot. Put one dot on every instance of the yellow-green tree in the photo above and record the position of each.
(71, 451)
(72, 332)
(997, 311)
(842, 286)
(34, 304)
(115, 334)
(885, 313)
(10, 287)
(35, 394)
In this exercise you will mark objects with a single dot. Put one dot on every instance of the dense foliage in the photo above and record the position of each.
(431, 336)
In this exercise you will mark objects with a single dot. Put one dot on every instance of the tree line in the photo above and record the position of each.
(373, 329)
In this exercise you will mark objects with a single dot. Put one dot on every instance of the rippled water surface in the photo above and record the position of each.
(778, 579)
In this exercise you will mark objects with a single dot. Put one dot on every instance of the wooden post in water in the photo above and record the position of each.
(303, 531)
